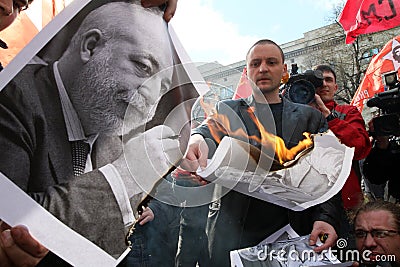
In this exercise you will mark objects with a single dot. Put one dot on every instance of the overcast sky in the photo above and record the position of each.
(223, 30)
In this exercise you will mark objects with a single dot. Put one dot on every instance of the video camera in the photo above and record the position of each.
(388, 123)
(300, 88)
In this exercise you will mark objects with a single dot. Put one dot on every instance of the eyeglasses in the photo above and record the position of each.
(376, 233)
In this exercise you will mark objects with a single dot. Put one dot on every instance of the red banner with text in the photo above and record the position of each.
(387, 60)
(367, 16)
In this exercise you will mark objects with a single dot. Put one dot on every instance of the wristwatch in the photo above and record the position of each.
(331, 116)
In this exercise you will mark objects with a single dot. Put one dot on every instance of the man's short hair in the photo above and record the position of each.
(74, 24)
(325, 68)
(380, 205)
(263, 42)
(91, 16)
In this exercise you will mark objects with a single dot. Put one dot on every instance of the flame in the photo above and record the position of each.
(285, 77)
(219, 126)
(208, 104)
(207, 107)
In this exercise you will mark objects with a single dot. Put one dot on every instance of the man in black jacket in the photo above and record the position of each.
(380, 166)
(238, 220)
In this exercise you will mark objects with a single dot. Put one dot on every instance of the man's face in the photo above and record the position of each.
(124, 73)
(329, 87)
(378, 220)
(265, 67)
(396, 53)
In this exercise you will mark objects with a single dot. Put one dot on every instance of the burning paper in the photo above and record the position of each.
(219, 124)
(310, 178)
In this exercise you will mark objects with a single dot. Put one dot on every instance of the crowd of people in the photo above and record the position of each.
(91, 83)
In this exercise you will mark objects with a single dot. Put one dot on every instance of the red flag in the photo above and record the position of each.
(387, 60)
(27, 25)
(367, 16)
(243, 89)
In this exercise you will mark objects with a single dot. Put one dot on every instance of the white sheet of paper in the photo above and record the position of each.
(48, 230)
(16, 207)
(287, 230)
(281, 235)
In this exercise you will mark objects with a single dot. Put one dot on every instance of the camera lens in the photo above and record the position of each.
(302, 92)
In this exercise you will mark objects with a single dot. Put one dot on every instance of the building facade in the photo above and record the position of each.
(321, 45)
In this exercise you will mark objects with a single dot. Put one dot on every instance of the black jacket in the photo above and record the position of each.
(234, 222)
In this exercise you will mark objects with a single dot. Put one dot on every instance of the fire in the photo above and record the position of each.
(207, 107)
(208, 103)
(219, 126)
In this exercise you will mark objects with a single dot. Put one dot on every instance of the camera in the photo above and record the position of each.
(300, 88)
(388, 123)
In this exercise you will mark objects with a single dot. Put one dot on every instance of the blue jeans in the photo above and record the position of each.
(139, 254)
(155, 243)
(192, 246)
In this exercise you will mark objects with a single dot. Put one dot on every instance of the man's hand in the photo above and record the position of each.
(18, 247)
(196, 154)
(147, 157)
(184, 178)
(319, 229)
(146, 216)
(382, 142)
(319, 104)
(169, 11)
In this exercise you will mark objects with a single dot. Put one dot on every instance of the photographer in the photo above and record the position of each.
(347, 124)
(380, 166)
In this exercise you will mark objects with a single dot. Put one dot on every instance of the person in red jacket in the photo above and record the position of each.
(346, 122)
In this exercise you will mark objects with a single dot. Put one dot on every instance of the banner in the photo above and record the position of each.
(367, 16)
(387, 60)
(27, 25)
(243, 89)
